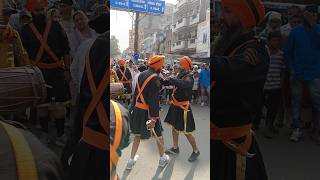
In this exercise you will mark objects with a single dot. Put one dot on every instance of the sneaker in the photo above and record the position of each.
(295, 136)
(173, 150)
(194, 156)
(202, 104)
(61, 141)
(132, 162)
(164, 160)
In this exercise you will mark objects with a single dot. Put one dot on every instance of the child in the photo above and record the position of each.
(272, 87)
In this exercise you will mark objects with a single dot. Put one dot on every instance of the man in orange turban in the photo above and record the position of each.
(239, 69)
(145, 108)
(180, 116)
(125, 78)
(33, 5)
(48, 49)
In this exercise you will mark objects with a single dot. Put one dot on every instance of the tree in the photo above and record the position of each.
(114, 47)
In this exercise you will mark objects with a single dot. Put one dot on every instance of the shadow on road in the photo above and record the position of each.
(125, 174)
(190, 174)
(167, 173)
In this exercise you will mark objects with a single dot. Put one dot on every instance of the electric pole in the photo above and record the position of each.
(136, 32)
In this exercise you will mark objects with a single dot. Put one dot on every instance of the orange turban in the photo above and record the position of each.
(156, 62)
(186, 63)
(31, 4)
(250, 12)
(121, 62)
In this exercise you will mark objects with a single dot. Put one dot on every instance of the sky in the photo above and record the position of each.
(120, 23)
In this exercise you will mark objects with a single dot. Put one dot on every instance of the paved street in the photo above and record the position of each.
(285, 160)
(179, 168)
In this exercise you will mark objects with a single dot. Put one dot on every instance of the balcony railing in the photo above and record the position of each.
(194, 19)
(192, 44)
(178, 45)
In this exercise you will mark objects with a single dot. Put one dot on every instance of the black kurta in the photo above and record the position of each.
(126, 85)
(235, 99)
(89, 162)
(175, 116)
(58, 42)
(139, 116)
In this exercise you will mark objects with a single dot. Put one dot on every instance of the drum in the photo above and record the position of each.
(20, 88)
(116, 89)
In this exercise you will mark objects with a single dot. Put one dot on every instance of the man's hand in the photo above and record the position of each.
(151, 124)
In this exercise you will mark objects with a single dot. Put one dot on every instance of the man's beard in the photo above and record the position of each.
(39, 21)
(227, 37)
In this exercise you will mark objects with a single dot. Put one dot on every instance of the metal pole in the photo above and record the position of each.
(136, 32)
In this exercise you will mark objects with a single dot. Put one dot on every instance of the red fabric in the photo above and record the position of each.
(186, 63)
(121, 62)
(30, 5)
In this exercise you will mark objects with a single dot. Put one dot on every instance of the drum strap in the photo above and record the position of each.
(117, 136)
(143, 104)
(45, 48)
(25, 163)
(95, 138)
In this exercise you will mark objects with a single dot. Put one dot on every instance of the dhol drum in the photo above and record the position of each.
(20, 88)
(116, 89)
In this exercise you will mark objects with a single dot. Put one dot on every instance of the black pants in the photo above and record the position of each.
(272, 102)
(195, 94)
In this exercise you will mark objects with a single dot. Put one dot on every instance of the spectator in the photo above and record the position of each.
(195, 88)
(273, 24)
(302, 57)
(66, 11)
(53, 15)
(24, 18)
(135, 74)
(204, 79)
(272, 87)
(295, 19)
(81, 31)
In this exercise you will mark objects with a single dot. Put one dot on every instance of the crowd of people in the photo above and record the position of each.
(127, 72)
(68, 42)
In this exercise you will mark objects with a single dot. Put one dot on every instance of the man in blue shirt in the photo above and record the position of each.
(204, 80)
(302, 55)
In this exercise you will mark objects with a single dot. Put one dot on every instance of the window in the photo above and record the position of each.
(204, 39)
(192, 41)
(194, 16)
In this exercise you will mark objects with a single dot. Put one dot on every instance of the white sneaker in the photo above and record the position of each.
(295, 136)
(132, 162)
(164, 160)
(61, 141)
(202, 104)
